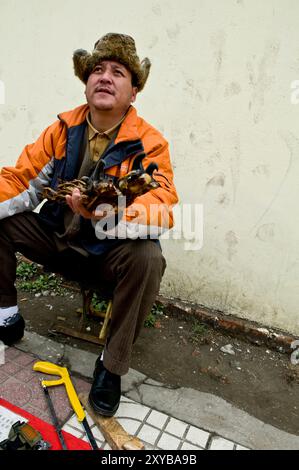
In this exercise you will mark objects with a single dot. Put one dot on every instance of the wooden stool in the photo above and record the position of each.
(89, 311)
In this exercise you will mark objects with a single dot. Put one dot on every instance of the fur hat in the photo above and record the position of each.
(113, 46)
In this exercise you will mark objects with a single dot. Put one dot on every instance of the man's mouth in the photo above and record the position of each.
(104, 90)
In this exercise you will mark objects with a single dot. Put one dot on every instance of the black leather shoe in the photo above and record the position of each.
(12, 333)
(104, 396)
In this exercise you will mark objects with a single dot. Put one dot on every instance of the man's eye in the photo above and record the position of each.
(119, 72)
(97, 69)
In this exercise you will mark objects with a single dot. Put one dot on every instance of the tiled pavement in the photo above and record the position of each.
(20, 385)
(157, 430)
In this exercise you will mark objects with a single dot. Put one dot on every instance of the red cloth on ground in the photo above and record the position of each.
(48, 431)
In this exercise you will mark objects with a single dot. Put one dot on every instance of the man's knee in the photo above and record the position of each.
(145, 254)
(12, 225)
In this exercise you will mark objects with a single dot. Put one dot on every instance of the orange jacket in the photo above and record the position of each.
(43, 162)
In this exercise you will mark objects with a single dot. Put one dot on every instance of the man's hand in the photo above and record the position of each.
(75, 203)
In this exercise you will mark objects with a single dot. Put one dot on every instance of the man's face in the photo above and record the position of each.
(109, 88)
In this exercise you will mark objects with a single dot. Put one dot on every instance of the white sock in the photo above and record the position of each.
(9, 315)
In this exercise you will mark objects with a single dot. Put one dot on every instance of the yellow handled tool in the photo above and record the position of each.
(54, 369)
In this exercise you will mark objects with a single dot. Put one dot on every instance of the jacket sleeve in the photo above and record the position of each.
(21, 186)
(151, 214)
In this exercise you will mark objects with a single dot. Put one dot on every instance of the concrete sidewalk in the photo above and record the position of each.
(162, 417)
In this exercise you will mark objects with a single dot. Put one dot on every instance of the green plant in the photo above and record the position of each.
(26, 270)
(199, 328)
(199, 332)
(43, 282)
(158, 309)
(98, 304)
(151, 319)
(30, 279)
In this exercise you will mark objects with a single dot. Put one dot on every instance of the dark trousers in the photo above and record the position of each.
(134, 267)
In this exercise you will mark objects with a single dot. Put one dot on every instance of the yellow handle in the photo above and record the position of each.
(50, 368)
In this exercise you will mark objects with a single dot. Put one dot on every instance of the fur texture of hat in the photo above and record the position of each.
(113, 46)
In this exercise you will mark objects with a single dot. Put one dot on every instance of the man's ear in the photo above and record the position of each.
(134, 94)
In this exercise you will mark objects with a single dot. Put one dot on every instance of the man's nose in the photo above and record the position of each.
(105, 77)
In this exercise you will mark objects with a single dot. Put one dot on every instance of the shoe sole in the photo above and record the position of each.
(12, 334)
(99, 410)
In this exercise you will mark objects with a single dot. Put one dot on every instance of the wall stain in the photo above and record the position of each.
(223, 199)
(232, 242)
(266, 232)
(192, 138)
(292, 143)
(173, 32)
(9, 114)
(153, 42)
(262, 170)
(235, 163)
(157, 9)
(217, 180)
(262, 78)
(217, 41)
(232, 89)
(214, 158)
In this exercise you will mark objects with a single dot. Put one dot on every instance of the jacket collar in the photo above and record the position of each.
(128, 129)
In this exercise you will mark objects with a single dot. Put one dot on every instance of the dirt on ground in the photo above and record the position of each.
(181, 352)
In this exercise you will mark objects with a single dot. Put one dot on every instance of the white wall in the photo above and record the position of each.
(220, 91)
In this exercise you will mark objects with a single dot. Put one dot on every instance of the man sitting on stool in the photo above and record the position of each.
(69, 238)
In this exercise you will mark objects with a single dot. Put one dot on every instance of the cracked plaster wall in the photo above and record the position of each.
(220, 91)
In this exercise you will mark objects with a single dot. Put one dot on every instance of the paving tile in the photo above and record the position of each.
(46, 416)
(74, 423)
(124, 399)
(176, 427)
(3, 377)
(107, 447)
(24, 359)
(73, 431)
(2, 354)
(89, 419)
(80, 385)
(60, 401)
(38, 399)
(148, 434)
(197, 436)
(25, 374)
(130, 425)
(241, 448)
(97, 434)
(100, 444)
(41, 415)
(168, 442)
(58, 392)
(157, 419)
(188, 446)
(10, 368)
(16, 392)
(58, 396)
(62, 409)
(218, 443)
(132, 410)
(11, 353)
